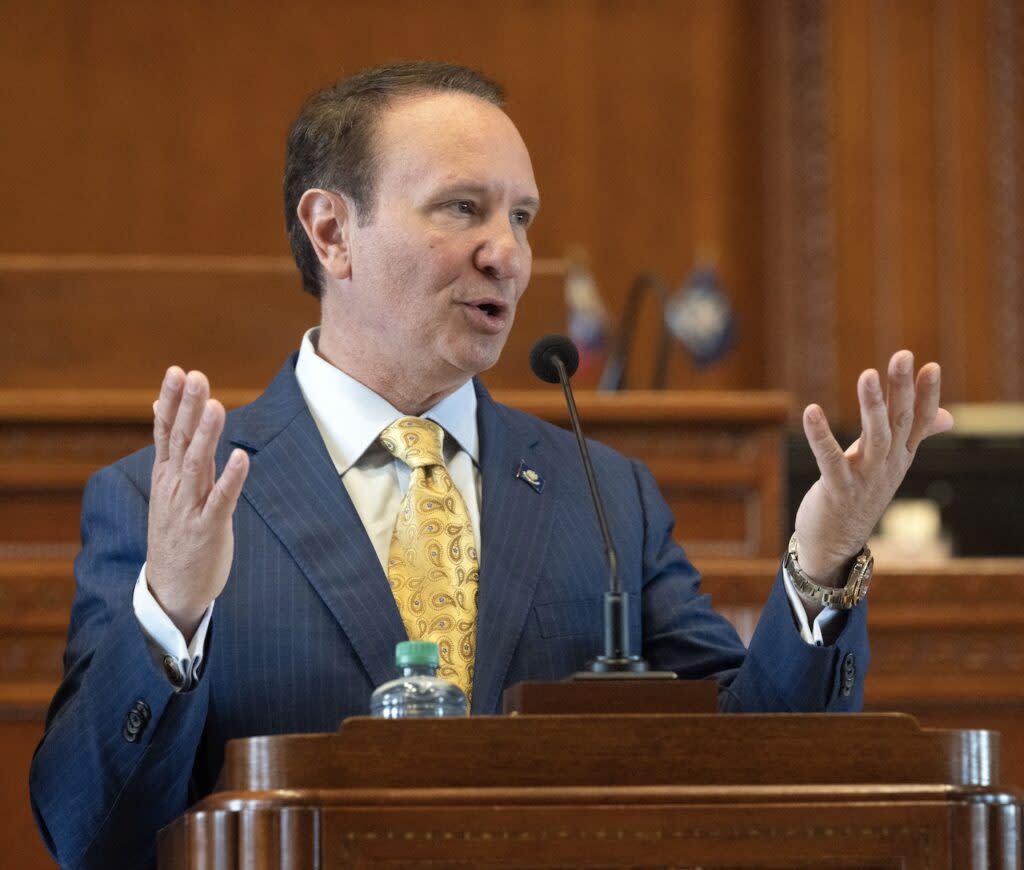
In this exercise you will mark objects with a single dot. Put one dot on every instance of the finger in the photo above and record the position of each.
(197, 391)
(224, 495)
(832, 462)
(197, 467)
(901, 399)
(165, 409)
(874, 418)
(926, 407)
(943, 422)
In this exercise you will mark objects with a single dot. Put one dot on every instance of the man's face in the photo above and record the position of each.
(438, 271)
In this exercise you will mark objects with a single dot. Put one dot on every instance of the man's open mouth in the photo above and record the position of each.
(490, 307)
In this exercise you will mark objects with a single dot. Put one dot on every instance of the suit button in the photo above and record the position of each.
(849, 674)
(135, 722)
(173, 672)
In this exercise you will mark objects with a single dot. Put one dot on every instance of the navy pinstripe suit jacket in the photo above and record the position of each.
(306, 626)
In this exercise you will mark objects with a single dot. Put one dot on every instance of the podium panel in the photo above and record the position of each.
(639, 791)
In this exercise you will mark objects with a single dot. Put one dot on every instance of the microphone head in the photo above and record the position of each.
(543, 354)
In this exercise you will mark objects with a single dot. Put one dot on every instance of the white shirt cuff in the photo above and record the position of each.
(166, 643)
(827, 624)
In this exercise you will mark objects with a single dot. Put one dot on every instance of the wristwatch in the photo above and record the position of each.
(843, 597)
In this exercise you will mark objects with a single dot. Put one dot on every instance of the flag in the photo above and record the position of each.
(698, 314)
(588, 317)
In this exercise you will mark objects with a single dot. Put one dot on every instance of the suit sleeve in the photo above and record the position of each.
(115, 762)
(778, 673)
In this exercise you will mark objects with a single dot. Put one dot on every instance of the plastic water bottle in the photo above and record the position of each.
(419, 692)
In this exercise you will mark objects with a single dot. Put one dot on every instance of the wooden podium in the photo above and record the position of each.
(607, 791)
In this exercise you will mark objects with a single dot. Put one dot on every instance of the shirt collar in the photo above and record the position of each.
(350, 416)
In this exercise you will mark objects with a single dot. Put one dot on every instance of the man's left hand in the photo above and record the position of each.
(839, 512)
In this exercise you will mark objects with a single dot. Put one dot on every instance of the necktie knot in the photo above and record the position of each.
(415, 441)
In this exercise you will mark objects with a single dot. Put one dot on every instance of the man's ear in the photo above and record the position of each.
(327, 218)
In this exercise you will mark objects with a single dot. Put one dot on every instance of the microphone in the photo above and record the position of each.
(548, 352)
(554, 359)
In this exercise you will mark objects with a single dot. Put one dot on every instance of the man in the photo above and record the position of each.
(229, 586)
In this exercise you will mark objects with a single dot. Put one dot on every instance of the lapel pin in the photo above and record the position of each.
(527, 474)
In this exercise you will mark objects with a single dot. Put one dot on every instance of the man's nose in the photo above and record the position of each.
(503, 252)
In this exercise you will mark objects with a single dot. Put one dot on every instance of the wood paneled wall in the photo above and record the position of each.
(854, 166)
(893, 159)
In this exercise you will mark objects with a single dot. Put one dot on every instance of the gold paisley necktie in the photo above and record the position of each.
(433, 567)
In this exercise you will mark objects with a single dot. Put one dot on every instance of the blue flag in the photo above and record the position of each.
(698, 314)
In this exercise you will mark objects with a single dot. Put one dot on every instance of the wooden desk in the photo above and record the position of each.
(718, 458)
(638, 791)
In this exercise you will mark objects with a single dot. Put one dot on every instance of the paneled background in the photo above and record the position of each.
(853, 167)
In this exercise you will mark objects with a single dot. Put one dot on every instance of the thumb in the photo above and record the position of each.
(828, 454)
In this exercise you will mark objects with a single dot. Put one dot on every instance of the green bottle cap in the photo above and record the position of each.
(417, 652)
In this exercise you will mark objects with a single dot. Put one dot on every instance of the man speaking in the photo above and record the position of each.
(250, 573)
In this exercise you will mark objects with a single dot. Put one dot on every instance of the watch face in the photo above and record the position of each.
(861, 578)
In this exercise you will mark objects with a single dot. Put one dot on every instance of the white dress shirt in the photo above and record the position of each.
(350, 417)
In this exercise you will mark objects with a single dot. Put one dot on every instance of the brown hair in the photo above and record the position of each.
(330, 144)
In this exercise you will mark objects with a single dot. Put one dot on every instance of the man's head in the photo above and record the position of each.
(419, 284)
(332, 144)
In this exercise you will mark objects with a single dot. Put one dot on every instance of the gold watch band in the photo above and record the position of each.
(844, 597)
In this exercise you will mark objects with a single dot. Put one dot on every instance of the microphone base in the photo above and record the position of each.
(629, 668)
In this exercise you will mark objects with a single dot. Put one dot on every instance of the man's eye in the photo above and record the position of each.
(522, 218)
(463, 206)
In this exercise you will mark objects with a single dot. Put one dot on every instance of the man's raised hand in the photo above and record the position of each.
(191, 541)
(840, 510)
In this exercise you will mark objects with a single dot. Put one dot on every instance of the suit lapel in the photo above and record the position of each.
(294, 487)
(516, 523)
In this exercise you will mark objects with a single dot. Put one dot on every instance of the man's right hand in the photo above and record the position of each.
(191, 541)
